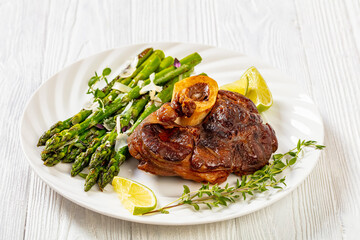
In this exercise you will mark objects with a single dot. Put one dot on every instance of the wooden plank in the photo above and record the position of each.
(271, 32)
(74, 30)
(332, 57)
(19, 78)
(315, 42)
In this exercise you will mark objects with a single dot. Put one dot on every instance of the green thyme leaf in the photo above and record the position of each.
(186, 189)
(292, 154)
(292, 161)
(196, 206)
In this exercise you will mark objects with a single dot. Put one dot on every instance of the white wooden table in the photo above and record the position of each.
(315, 42)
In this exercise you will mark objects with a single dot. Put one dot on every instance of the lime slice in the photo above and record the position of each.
(135, 197)
(240, 86)
(258, 91)
(252, 85)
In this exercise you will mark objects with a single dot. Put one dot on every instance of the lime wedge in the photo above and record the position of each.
(240, 86)
(258, 91)
(253, 86)
(135, 197)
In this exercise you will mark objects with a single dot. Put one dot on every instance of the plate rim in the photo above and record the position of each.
(143, 219)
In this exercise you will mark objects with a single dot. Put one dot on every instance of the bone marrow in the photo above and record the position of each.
(199, 92)
(193, 99)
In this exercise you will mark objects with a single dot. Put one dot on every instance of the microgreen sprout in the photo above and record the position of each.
(97, 93)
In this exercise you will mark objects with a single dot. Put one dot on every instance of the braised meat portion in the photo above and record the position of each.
(231, 139)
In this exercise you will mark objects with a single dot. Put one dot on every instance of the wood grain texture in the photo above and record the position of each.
(317, 43)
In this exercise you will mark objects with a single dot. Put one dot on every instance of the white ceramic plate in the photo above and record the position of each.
(293, 116)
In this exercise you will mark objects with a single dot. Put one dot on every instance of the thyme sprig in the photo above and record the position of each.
(97, 93)
(260, 181)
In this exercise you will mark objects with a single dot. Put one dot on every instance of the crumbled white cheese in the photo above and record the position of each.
(150, 87)
(140, 83)
(107, 144)
(107, 126)
(129, 67)
(155, 99)
(118, 125)
(93, 107)
(152, 77)
(121, 87)
(118, 117)
(119, 96)
(128, 106)
(152, 94)
(99, 84)
(121, 141)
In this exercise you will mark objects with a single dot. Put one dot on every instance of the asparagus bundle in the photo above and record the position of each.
(60, 139)
(82, 140)
(102, 154)
(80, 143)
(83, 114)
